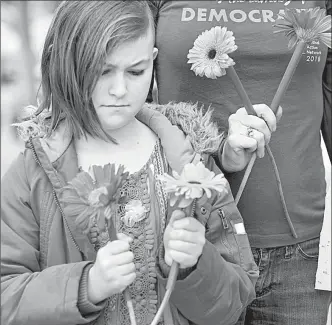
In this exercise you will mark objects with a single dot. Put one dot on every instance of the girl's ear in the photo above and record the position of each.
(155, 52)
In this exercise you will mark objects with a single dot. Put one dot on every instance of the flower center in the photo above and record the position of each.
(94, 196)
(212, 54)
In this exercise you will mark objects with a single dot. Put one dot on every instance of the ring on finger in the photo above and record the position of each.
(250, 132)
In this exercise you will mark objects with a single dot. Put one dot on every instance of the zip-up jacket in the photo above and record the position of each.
(45, 258)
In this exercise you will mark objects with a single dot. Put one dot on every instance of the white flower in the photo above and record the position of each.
(306, 26)
(191, 184)
(209, 56)
(135, 212)
(94, 196)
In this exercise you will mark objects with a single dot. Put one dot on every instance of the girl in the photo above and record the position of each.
(96, 71)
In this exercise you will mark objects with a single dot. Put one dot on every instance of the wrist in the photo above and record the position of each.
(92, 287)
(85, 306)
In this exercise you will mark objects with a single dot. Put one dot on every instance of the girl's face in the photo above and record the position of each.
(124, 84)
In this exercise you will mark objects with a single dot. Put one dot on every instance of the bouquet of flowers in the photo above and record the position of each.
(210, 58)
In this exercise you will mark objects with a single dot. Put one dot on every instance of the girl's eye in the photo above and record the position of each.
(136, 73)
(106, 71)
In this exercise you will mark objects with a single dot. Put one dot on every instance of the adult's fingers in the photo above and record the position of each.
(238, 142)
(265, 112)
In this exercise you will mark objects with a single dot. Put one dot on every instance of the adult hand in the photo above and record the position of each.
(112, 271)
(247, 134)
(184, 239)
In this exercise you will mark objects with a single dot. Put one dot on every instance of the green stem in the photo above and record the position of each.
(287, 77)
(126, 292)
(245, 178)
(240, 90)
(172, 277)
(250, 110)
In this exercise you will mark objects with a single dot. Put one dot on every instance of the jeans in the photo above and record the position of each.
(285, 290)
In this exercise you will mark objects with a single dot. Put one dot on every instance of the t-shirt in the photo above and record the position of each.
(260, 61)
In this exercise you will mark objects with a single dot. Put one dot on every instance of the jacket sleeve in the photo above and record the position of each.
(327, 95)
(29, 295)
(223, 282)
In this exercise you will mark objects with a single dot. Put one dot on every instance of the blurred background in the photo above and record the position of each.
(24, 25)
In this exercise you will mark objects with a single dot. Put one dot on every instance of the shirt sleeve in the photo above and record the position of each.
(31, 295)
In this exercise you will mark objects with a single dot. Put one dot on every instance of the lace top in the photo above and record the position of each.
(144, 190)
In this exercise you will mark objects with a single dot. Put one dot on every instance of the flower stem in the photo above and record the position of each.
(126, 292)
(172, 276)
(245, 178)
(287, 77)
(240, 90)
(250, 110)
(276, 172)
(130, 306)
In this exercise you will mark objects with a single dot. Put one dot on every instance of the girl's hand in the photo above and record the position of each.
(113, 270)
(246, 134)
(184, 240)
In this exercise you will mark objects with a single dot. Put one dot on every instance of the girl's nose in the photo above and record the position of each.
(118, 87)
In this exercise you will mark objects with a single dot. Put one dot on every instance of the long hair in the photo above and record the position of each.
(81, 35)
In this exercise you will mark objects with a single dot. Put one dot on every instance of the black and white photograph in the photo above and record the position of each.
(166, 162)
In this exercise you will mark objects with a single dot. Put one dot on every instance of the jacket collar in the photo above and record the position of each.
(57, 156)
(58, 151)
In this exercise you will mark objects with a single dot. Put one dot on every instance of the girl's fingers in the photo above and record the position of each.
(177, 215)
(123, 258)
(128, 279)
(126, 269)
(185, 260)
(115, 247)
(188, 224)
(181, 246)
(124, 237)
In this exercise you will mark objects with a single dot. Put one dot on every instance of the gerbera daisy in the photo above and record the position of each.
(307, 26)
(92, 196)
(209, 56)
(135, 212)
(192, 183)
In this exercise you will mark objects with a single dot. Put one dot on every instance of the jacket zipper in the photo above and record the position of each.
(57, 202)
(223, 218)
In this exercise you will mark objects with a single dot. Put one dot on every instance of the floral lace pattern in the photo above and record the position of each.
(144, 291)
